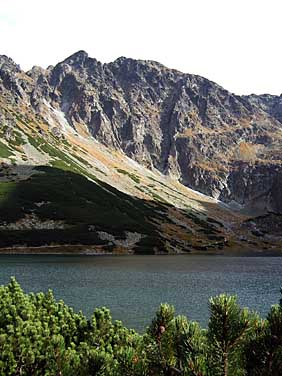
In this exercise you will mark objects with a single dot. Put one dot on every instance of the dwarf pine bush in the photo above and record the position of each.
(40, 336)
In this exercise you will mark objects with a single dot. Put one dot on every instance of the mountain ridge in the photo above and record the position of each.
(182, 126)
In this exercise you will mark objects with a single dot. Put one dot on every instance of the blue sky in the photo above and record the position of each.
(234, 43)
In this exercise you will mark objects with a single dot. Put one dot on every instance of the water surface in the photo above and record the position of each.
(134, 286)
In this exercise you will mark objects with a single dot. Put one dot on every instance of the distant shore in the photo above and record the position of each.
(87, 250)
(67, 249)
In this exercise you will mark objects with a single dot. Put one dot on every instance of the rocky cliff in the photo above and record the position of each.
(182, 124)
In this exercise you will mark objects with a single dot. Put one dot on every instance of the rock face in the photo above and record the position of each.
(256, 188)
(183, 125)
(272, 104)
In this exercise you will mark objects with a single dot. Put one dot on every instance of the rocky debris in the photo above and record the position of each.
(131, 239)
(9, 134)
(35, 155)
(184, 125)
(32, 222)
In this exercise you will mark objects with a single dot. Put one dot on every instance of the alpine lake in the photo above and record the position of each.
(133, 287)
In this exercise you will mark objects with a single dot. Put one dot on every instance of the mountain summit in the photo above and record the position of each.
(181, 127)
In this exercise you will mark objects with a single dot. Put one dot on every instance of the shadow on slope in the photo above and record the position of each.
(43, 205)
(57, 206)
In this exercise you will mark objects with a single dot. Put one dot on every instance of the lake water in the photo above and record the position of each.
(134, 286)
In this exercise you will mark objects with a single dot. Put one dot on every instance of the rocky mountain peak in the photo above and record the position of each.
(181, 124)
(78, 58)
(6, 63)
(132, 71)
(79, 61)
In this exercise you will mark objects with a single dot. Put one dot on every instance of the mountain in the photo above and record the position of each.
(133, 156)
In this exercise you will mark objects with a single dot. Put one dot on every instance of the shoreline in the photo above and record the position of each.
(84, 250)
(62, 250)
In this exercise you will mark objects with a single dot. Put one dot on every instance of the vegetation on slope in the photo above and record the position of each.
(82, 206)
(42, 336)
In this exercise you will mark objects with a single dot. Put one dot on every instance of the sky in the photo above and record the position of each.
(236, 43)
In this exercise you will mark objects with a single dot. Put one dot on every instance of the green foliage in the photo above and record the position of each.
(5, 190)
(133, 177)
(228, 328)
(160, 342)
(190, 346)
(264, 350)
(41, 336)
(5, 151)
